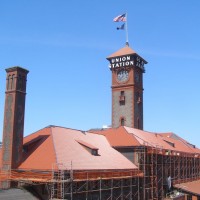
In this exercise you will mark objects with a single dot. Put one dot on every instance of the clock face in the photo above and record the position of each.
(122, 75)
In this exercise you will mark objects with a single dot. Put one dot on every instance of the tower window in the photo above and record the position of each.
(122, 121)
(122, 98)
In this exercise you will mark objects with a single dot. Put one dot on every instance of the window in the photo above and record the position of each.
(122, 98)
(122, 121)
(94, 152)
(90, 148)
(189, 197)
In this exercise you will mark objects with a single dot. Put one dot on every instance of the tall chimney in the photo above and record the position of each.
(13, 127)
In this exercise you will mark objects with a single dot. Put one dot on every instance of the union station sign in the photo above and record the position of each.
(126, 61)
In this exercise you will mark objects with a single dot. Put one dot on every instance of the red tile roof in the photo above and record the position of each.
(125, 136)
(59, 145)
(41, 155)
(118, 137)
(180, 144)
(123, 51)
(190, 187)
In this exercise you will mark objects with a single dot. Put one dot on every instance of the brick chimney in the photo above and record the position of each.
(13, 127)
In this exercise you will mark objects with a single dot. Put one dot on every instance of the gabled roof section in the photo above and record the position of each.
(118, 137)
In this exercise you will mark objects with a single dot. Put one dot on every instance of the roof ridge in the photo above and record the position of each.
(52, 138)
(57, 126)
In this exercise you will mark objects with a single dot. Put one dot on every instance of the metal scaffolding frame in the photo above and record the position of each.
(94, 185)
(157, 163)
(146, 183)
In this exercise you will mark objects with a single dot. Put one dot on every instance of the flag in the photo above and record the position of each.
(121, 27)
(120, 18)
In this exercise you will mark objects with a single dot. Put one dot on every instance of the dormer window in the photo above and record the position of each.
(95, 152)
(90, 148)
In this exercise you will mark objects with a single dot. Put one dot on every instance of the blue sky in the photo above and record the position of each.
(64, 45)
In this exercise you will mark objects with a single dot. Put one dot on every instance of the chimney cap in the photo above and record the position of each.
(16, 68)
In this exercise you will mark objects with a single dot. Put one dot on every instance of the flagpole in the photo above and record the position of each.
(127, 29)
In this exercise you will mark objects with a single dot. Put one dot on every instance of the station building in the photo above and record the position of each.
(120, 162)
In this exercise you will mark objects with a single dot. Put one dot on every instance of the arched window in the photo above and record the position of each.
(122, 121)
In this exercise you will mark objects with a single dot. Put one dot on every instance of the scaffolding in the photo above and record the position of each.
(100, 184)
(148, 182)
(157, 163)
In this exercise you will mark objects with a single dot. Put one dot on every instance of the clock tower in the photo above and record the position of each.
(127, 69)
